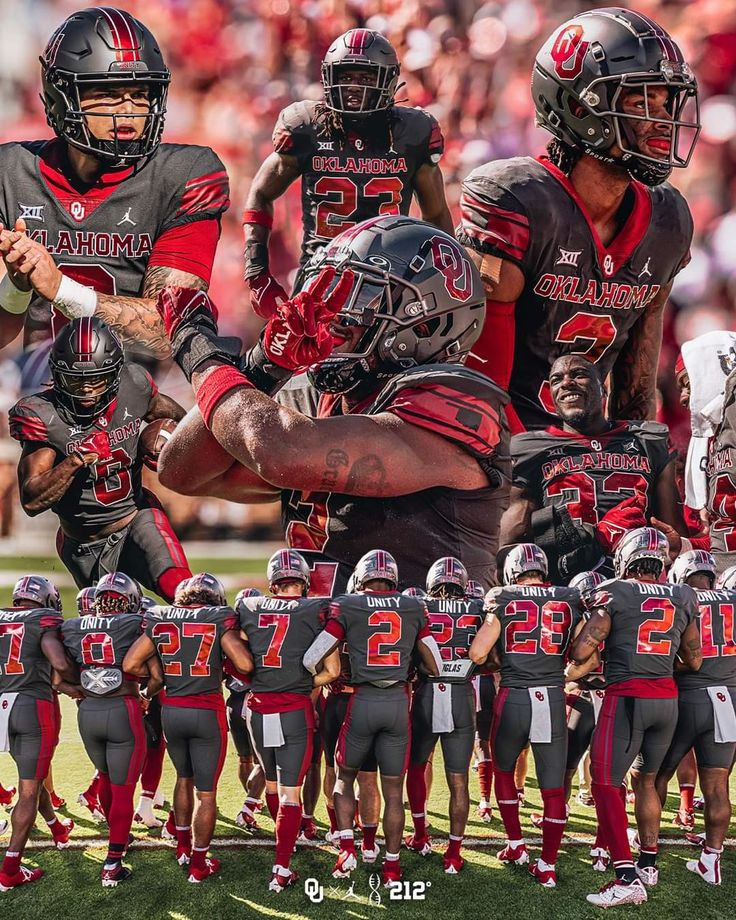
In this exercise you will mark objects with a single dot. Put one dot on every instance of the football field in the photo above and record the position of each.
(158, 888)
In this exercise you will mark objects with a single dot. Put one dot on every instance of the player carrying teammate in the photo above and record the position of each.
(578, 249)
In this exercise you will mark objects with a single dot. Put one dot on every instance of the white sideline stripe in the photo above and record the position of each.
(155, 843)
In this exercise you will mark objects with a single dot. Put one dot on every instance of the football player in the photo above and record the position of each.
(530, 623)
(578, 249)
(192, 638)
(644, 625)
(581, 483)
(706, 702)
(383, 629)
(80, 458)
(280, 709)
(100, 219)
(358, 155)
(386, 391)
(110, 716)
(31, 650)
(443, 708)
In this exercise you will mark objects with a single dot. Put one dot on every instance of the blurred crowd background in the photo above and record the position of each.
(236, 63)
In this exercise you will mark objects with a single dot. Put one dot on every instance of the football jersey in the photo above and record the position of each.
(334, 530)
(102, 235)
(187, 640)
(279, 631)
(591, 476)
(716, 622)
(108, 490)
(23, 666)
(371, 174)
(721, 475)
(579, 296)
(647, 623)
(537, 624)
(381, 631)
(101, 641)
(453, 624)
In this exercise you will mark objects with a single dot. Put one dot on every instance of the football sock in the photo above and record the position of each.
(152, 769)
(93, 790)
(11, 863)
(416, 789)
(647, 858)
(553, 826)
(120, 815)
(333, 818)
(453, 847)
(613, 822)
(687, 797)
(288, 823)
(508, 804)
(184, 837)
(272, 803)
(104, 793)
(347, 841)
(199, 858)
(369, 836)
(485, 779)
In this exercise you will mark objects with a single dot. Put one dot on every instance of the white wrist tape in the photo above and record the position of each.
(74, 299)
(12, 299)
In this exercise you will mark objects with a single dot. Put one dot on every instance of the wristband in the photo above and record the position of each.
(262, 373)
(219, 383)
(262, 218)
(12, 299)
(74, 299)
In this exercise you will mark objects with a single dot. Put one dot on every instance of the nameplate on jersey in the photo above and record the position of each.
(455, 672)
(101, 681)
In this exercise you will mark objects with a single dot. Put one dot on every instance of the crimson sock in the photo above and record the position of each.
(485, 779)
(687, 797)
(288, 823)
(272, 803)
(453, 847)
(152, 769)
(416, 789)
(184, 837)
(93, 790)
(613, 823)
(600, 842)
(333, 818)
(508, 804)
(199, 858)
(554, 823)
(369, 836)
(168, 582)
(120, 816)
(11, 863)
(104, 793)
(347, 841)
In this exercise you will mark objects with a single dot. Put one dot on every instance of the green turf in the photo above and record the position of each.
(71, 887)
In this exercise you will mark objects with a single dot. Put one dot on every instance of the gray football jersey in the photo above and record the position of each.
(23, 666)
(716, 622)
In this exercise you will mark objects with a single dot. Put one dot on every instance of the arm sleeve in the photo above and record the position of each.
(189, 247)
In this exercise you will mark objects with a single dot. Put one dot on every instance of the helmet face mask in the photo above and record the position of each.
(85, 354)
(365, 51)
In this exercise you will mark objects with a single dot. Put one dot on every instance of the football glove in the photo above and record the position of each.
(266, 294)
(93, 448)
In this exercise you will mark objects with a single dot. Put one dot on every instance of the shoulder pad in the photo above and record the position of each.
(27, 419)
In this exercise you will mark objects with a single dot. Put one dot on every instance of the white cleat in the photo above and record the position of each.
(633, 836)
(616, 893)
(648, 874)
(709, 874)
(600, 858)
(3, 826)
(370, 856)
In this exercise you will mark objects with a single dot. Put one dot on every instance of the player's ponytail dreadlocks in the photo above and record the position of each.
(563, 156)
(332, 125)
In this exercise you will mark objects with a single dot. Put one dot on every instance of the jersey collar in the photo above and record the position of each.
(617, 429)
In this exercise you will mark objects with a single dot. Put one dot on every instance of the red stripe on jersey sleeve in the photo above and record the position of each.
(205, 193)
(27, 428)
(282, 140)
(188, 248)
(335, 629)
(436, 139)
(152, 384)
(50, 621)
(495, 226)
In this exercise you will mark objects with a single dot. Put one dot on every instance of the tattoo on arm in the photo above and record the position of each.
(367, 471)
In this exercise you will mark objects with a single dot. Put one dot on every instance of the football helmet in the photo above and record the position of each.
(414, 592)
(416, 293)
(86, 601)
(247, 592)
(645, 545)
(474, 590)
(727, 579)
(689, 563)
(582, 72)
(38, 589)
(586, 581)
(524, 558)
(360, 49)
(103, 46)
(376, 564)
(447, 575)
(350, 586)
(86, 352)
(288, 564)
(210, 585)
(117, 593)
(147, 603)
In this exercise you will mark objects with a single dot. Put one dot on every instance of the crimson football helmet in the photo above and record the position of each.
(447, 576)
(209, 585)
(288, 565)
(37, 589)
(522, 559)
(360, 49)
(87, 352)
(586, 581)
(587, 65)
(691, 563)
(727, 579)
(374, 565)
(103, 47)
(86, 601)
(247, 592)
(414, 592)
(474, 590)
(117, 593)
(416, 295)
(646, 548)
(147, 603)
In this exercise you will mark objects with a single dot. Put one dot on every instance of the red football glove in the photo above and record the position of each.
(177, 305)
(94, 447)
(626, 516)
(299, 334)
(266, 294)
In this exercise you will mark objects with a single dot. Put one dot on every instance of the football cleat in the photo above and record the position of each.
(421, 845)
(710, 874)
(633, 836)
(308, 831)
(367, 855)
(684, 819)
(697, 840)
(345, 864)
(24, 876)
(246, 820)
(111, 878)
(601, 859)
(698, 803)
(159, 800)
(211, 866)
(282, 878)
(547, 878)
(648, 874)
(92, 805)
(616, 893)
(56, 801)
(485, 813)
(585, 799)
(537, 818)
(517, 856)
(3, 826)
(333, 837)
(168, 831)
(61, 832)
(144, 813)
(453, 865)
(391, 872)
(183, 855)
(6, 795)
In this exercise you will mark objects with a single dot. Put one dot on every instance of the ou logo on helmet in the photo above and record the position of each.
(454, 266)
(568, 52)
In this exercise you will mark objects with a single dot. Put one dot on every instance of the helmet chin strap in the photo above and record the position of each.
(645, 171)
